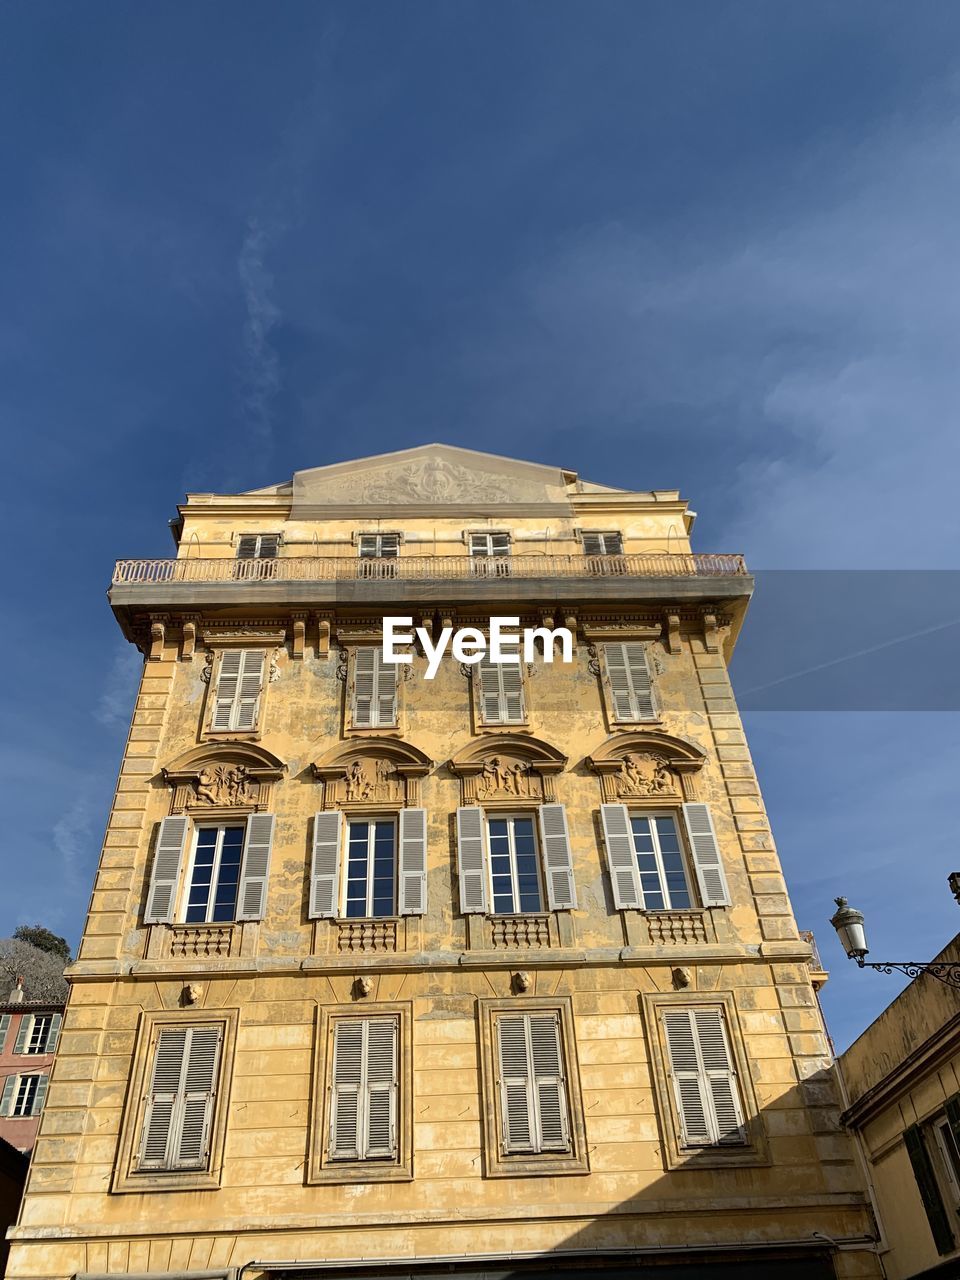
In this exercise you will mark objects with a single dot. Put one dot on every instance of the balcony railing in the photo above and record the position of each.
(423, 568)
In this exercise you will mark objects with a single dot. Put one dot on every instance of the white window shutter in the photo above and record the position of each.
(511, 692)
(413, 862)
(488, 683)
(557, 858)
(706, 856)
(53, 1034)
(631, 685)
(380, 1119)
(688, 1082)
(8, 1095)
(550, 1099)
(23, 1033)
(364, 687)
(164, 1094)
(255, 868)
(385, 694)
(325, 866)
(723, 1092)
(517, 1120)
(471, 860)
(345, 1109)
(165, 874)
(228, 684)
(197, 1097)
(249, 689)
(621, 857)
(4, 1027)
(40, 1096)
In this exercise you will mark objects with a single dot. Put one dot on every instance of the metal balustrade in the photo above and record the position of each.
(423, 568)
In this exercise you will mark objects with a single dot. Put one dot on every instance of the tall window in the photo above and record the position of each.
(659, 853)
(704, 1081)
(490, 554)
(603, 544)
(38, 1033)
(514, 865)
(178, 1120)
(363, 1114)
(239, 684)
(23, 1095)
(500, 692)
(374, 695)
(630, 681)
(214, 879)
(371, 868)
(533, 1097)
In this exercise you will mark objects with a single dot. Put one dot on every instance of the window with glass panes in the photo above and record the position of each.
(371, 868)
(258, 546)
(489, 544)
(514, 864)
(39, 1031)
(603, 544)
(663, 876)
(26, 1096)
(214, 875)
(378, 546)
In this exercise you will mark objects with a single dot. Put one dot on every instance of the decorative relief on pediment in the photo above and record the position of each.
(645, 774)
(426, 480)
(369, 781)
(223, 784)
(385, 774)
(232, 778)
(503, 778)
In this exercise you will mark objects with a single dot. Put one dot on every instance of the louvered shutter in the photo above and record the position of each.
(178, 1119)
(953, 1116)
(40, 1095)
(380, 1120)
(364, 683)
(631, 686)
(488, 679)
(325, 866)
(705, 1085)
(269, 542)
(248, 689)
(8, 1095)
(592, 544)
(53, 1034)
(929, 1190)
(413, 862)
(516, 1109)
(255, 868)
(706, 856)
(549, 1088)
(385, 694)
(470, 860)
(203, 1051)
(557, 858)
(4, 1027)
(165, 874)
(247, 547)
(163, 1097)
(621, 857)
(347, 1080)
(228, 684)
(23, 1033)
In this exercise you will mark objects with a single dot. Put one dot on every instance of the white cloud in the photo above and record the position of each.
(260, 375)
(115, 704)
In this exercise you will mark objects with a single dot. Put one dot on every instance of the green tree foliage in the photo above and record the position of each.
(43, 939)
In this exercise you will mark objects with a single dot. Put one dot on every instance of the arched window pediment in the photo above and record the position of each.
(238, 775)
(507, 767)
(646, 766)
(378, 771)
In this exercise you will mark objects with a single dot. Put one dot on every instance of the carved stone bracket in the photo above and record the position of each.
(711, 636)
(672, 632)
(158, 632)
(324, 624)
(506, 769)
(298, 630)
(188, 644)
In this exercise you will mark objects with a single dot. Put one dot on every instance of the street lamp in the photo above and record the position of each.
(848, 922)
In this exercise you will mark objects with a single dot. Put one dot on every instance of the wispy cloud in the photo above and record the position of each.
(260, 374)
(116, 699)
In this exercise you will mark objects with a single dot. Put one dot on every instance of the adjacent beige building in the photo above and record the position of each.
(494, 972)
(902, 1080)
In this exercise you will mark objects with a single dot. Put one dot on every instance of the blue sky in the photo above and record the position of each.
(709, 246)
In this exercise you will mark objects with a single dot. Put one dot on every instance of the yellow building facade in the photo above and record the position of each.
(490, 971)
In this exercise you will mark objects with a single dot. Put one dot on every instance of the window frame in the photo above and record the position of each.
(21, 1078)
(351, 726)
(754, 1152)
(127, 1177)
(510, 816)
(253, 733)
(500, 1164)
(689, 871)
(351, 816)
(259, 545)
(489, 563)
(481, 723)
(221, 826)
(614, 720)
(602, 534)
(378, 538)
(322, 1167)
(37, 1019)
